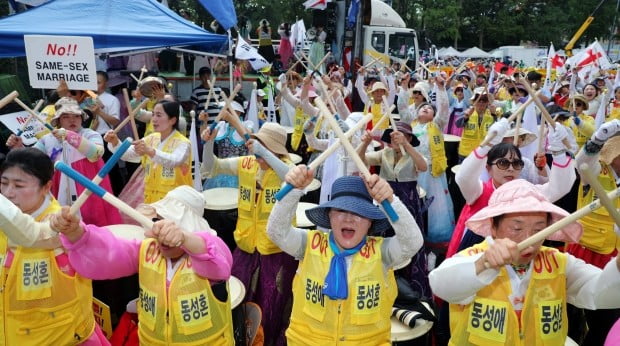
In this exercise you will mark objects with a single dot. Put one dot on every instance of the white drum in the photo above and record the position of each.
(221, 198)
(451, 138)
(127, 231)
(403, 264)
(294, 158)
(300, 216)
(402, 332)
(570, 342)
(314, 185)
(455, 169)
(236, 291)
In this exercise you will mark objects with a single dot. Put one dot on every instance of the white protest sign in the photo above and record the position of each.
(52, 58)
(15, 121)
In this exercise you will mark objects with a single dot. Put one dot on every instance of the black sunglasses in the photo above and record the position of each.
(503, 164)
(579, 104)
(415, 92)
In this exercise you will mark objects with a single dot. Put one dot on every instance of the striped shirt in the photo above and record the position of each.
(199, 98)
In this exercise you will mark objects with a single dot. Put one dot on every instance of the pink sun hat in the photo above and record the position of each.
(519, 196)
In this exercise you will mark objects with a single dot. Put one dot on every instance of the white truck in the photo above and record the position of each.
(530, 56)
(382, 34)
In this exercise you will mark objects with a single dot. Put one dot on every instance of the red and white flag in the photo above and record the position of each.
(316, 4)
(554, 62)
(590, 61)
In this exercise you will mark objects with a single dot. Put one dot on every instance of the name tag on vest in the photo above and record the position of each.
(487, 319)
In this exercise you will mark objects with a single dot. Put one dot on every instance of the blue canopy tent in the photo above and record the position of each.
(114, 25)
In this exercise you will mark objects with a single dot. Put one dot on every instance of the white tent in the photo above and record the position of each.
(475, 52)
(450, 51)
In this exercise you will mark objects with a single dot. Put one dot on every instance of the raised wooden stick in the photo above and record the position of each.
(591, 179)
(75, 207)
(106, 196)
(325, 154)
(130, 116)
(393, 122)
(511, 118)
(353, 154)
(8, 98)
(226, 107)
(132, 119)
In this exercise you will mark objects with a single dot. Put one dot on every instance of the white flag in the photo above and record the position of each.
(550, 56)
(245, 51)
(590, 61)
(271, 108)
(193, 139)
(253, 108)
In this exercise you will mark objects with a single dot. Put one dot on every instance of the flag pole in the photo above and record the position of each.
(230, 64)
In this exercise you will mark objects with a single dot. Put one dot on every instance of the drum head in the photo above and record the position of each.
(236, 290)
(302, 219)
(451, 138)
(127, 231)
(402, 332)
(147, 84)
(314, 185)
(294, 158)
(221, 198)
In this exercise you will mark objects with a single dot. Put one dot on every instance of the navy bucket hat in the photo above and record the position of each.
(349, 193)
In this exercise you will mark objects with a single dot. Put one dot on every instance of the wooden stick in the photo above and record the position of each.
(542, 108)
(301, 62)
(541, 135)
(130, 116)
(37, 107)
(75, 207)
(394, 127)
(325, 154)
(132, 119)
(591, 179)
(353, 154)
(142, 71)
(515, 139)
(33, 114)
(106, 196)
(372, 62)
(8, 98)
(540, 236)
(135, 78)
(511, 118)
(25, 124)
(226, 107)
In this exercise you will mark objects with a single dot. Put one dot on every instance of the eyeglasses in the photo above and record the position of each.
(415, 92)
(579, 104)
(503, 164)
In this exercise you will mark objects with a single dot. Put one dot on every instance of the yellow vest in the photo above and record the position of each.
(474, 134)
(298, 128)
(439, 161)
(251, 231)
(580, 137)
(377, 114)
(158, 180)
(598, 227)
(363, 318)
(491, 320)
(614, 113)
(188, 314)
(41, 305)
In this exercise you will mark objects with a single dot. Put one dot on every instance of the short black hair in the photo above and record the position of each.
(203, 71)
(103, 74)
(500, 150)
(32, 161)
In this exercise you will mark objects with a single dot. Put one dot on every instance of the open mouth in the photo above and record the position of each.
(509, 178)
(347, 233)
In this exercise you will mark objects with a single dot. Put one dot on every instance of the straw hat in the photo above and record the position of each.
(349, 193)
(273, 137)
(529, 136)
(610, 150)
(522, 196)
(579, 97)
(378, 86)
(185, 206)
(66, 105)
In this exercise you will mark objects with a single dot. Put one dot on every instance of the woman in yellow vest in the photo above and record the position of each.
(165, 154)
(475, 123)
(266, 272)
(580, 123)
(599, 242)
(182, 266)
(344, 287)
(499, 295)
(372, 95)
(44, 300)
